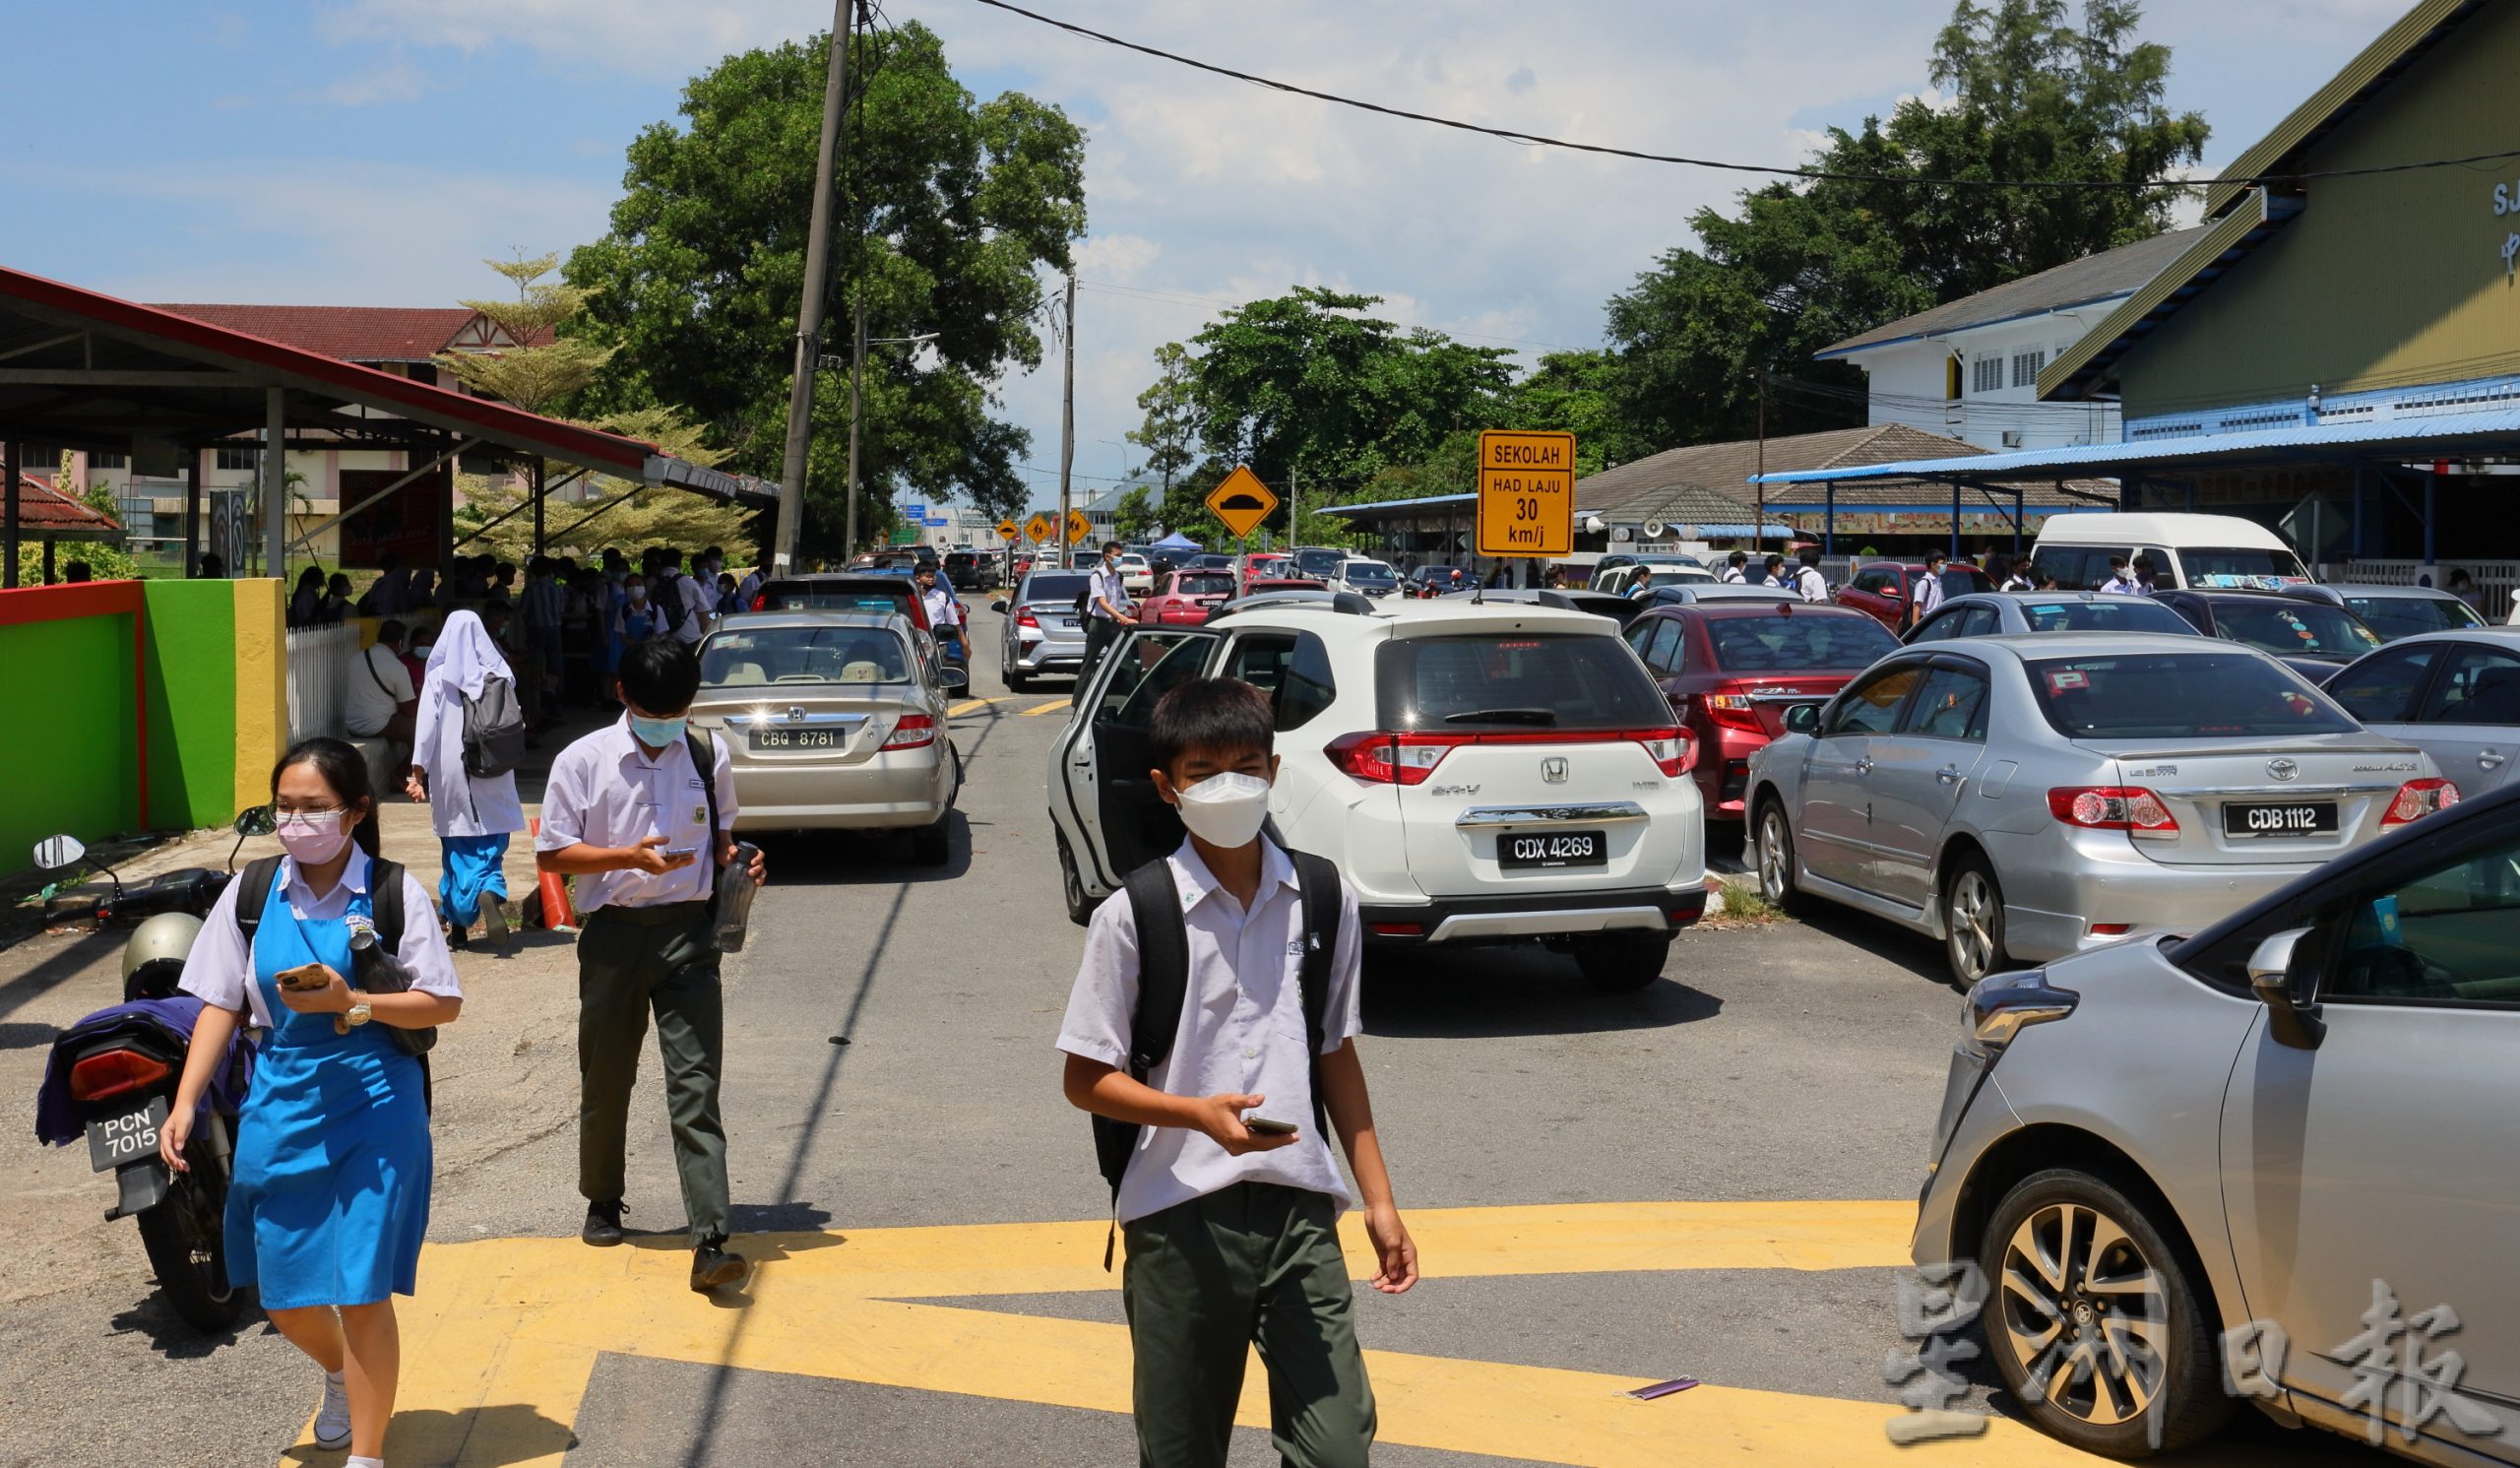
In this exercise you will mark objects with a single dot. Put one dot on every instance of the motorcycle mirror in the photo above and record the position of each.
(55, 853)
(256, 821)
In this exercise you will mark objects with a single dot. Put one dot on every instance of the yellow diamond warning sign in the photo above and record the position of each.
(1526, 493)
(1041, 527)
(1242, 502)
(1008, 530)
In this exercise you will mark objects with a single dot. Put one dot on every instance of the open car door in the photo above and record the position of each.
(1105, 761)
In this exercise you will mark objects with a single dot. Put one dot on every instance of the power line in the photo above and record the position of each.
(1179, 298)
(1537, 140)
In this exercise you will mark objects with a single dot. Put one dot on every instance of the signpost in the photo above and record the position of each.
(1526, 494)
(1078, 527)
(1040, 527)
(1241, 502)
(1009, 531)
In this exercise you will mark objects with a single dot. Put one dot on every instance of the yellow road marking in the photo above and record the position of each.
(504, 1335)
(960, 709)
(1057, 703)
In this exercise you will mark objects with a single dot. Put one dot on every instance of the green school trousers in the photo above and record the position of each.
(624, 973)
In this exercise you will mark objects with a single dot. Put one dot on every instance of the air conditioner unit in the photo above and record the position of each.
(2012, 438)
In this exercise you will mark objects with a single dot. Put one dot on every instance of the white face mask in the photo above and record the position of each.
(1225, 810)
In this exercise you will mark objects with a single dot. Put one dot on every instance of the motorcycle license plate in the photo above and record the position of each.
(2309, 818)
(129, 1137)
(1553, 850)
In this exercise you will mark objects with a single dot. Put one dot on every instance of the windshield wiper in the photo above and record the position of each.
(1503, 716)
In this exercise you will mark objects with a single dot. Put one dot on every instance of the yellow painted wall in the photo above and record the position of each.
(2382, 281)
(262, 687)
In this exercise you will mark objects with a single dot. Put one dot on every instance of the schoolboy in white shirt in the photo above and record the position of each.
(1231, 1196)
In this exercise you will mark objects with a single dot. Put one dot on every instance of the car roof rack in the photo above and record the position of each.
(1347, 602)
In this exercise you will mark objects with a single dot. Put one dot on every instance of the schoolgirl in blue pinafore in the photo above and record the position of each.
(331, 1195)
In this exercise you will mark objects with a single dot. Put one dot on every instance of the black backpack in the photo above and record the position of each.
(384, 906)
(493, 729)
(1164, 990)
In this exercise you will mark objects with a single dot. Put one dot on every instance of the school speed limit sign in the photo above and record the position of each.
(1526, 493)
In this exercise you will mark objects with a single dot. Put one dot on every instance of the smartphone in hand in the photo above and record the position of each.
(1263, 1126)
(304, 978)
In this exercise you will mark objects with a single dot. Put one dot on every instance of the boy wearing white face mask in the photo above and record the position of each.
(1226, 1187)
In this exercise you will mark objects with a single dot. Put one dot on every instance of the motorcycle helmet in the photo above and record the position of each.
(154, 959)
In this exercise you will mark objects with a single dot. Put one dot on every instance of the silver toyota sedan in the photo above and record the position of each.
(2036, 795)
(832, 722)
(2270, 1162)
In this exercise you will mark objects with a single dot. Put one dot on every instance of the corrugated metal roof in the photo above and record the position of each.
(2076, 283)
(2496, 431)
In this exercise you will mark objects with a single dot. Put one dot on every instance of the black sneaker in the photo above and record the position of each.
(712, 1266)
(603, 1225)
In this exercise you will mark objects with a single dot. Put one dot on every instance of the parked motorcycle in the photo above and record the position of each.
(113, 1077)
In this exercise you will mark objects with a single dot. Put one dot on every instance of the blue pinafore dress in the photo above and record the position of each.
(330, 1195)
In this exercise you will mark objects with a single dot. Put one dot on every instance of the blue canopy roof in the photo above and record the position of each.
(1177, 541)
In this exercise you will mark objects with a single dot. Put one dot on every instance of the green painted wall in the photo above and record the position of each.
(66, 758)
(192, 703)
(2382, 281)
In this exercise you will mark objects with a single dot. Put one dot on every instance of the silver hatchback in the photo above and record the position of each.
(2270, 1162)
(2036, 795)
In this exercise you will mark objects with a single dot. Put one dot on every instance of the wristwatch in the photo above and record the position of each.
(359, 1012)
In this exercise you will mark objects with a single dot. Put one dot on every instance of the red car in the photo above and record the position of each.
(1732, 668)
(1885, 588)
(1263, 565)
(1184, 599)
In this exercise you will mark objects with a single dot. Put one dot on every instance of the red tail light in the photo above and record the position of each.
(1734, 711)
(2111, 807)
(2417, 798)
(915, 730)
(1024, 617)
(761, 602)
(1384, 757)
(112, 1073)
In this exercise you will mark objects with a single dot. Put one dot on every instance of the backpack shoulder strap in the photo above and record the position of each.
(1164, 966)
(253, 891)
(704, 764)
(385, 901)
(1318, 882)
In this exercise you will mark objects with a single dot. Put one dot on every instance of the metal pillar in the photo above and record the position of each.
(1955, 519)
(2191, 491)
(192, 513)
(2357, 549)
(446, 517)
(9, 472)
(537, 504)
(2431, 480)
(1828, 521)
(2019, 514)
(276, 482)
(48, 560)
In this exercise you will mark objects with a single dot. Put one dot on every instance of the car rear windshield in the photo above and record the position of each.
(1514, 680)
(1775, 643)
(2293, 629)
(2241, 563)
(1366, 570)
(1318, 562)
(2102, 615)
(2178, 696)
(750, 656)
(2394, 617)
(811, 595)
(1204, 584)
(1056, 586)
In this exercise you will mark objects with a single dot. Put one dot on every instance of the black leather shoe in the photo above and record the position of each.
(603, 1225)
(712, 1266)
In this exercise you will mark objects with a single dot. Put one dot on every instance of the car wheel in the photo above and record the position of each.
(1775, 855)
(1080, 907)
(2094, 1319)
(1616, 961)
(1016, 683)
(1972, 920)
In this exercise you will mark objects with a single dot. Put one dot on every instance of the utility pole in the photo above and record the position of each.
(1067, 414)
(809, 311)
(857, 374)
(1759, 521)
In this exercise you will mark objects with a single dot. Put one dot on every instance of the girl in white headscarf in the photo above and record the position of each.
(473, 815)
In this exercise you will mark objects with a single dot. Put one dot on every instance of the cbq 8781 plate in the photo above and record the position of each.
(798, 738)
(1551, 850)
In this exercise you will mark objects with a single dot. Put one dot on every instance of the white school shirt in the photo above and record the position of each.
(220, 971)
(606, 790)
(1929, 591)
(1241, 1028)
(2122, 586)
(1104, 585)
(942, 610)
(698, 607)
(1812, 586)
(372, 693)
(1732, 576)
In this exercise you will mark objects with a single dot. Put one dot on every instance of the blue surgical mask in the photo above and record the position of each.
(659, 734)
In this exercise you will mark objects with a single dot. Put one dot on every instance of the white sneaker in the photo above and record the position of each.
(333, 1419)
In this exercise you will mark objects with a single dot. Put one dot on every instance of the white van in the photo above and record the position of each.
(2202, 551)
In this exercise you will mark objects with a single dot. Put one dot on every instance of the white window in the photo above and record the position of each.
(2026, 366)
(240, 457)
(1986, 374)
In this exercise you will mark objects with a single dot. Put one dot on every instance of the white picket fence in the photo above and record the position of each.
(319, 660)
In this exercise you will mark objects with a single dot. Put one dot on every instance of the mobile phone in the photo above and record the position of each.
(1263, 1127)
(306, 975)
(681, 852)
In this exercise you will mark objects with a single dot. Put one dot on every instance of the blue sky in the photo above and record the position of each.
(371, 152)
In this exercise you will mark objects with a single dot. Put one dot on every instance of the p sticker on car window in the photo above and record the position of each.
(2058, 683)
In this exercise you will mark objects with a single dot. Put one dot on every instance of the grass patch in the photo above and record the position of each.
(1743, 906)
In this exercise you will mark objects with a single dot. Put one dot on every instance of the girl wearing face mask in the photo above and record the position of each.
(330, 1192)
(473, 815)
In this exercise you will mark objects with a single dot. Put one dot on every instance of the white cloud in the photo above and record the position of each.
(398, 82)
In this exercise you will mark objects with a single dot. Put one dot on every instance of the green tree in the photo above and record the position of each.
(1171, 432)
(963, 204)
(1134, 518)
(2030, 94)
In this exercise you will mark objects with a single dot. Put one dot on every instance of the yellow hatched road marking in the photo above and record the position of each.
(972, 705)
(1055, 703)
(503, 1338)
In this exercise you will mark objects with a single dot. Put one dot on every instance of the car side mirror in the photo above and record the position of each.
(256, 821)
(953, 680)
(1802, 718)
(2283, 973)
(998, 605)
(58, 853)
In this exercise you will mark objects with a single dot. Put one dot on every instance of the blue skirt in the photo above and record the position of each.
(472, 868)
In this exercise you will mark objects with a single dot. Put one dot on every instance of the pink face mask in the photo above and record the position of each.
(313, 837)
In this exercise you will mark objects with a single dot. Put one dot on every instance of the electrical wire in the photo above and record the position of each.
(1178, 299)
(1538, 140)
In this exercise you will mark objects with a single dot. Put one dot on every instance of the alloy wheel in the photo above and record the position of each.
(1775, 858)
(1972, 918)
(2084, 1313)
